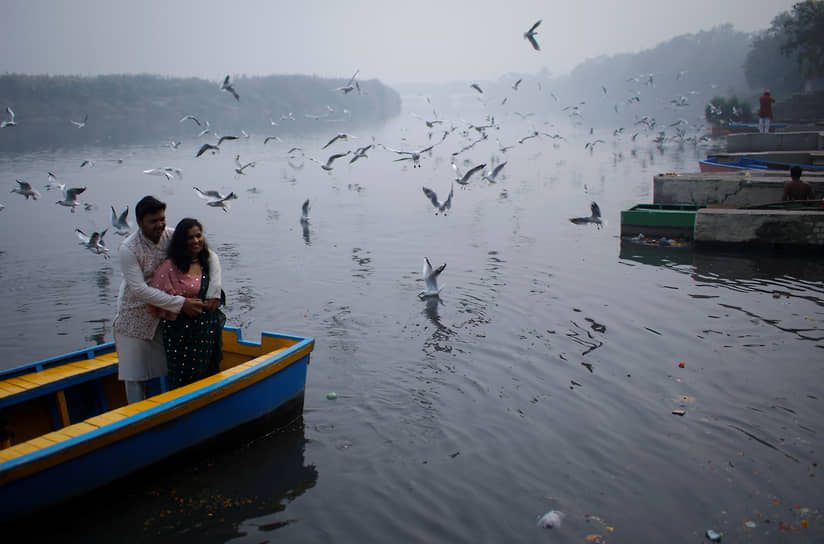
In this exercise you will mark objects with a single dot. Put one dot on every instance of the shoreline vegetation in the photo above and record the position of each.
(144, 108)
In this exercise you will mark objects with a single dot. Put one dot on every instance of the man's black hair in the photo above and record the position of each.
(148, 204)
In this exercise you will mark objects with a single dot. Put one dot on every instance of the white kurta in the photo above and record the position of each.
(139, 346)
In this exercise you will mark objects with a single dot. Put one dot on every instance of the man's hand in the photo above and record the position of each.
(192, 307)
(211, 304)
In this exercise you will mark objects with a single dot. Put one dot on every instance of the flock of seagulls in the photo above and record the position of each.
(474, 133)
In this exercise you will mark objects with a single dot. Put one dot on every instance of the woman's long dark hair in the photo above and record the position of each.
(177, 251)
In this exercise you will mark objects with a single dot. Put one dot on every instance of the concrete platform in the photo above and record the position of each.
(775, 141)
(743, 188)
(760, 227)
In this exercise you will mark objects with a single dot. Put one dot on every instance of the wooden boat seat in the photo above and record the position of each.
(22, 387)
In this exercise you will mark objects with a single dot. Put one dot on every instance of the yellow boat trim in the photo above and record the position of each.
(113, 416)
(33, 380)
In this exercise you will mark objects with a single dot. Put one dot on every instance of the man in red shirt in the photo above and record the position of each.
(765, 103)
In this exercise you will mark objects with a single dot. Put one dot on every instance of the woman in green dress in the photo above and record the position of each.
(194, 345)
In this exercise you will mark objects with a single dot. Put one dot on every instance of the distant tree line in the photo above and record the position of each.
(789, 53)
(127, 109)
(673, 81)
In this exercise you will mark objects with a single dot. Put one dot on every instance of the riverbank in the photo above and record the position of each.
(138, 109)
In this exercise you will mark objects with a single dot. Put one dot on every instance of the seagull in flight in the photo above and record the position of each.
(215, 148)
(360, 153)
(216, 199)
(93, 243)
(529, 35)
(70, 197)
(339, 136)
(167, 172)
(463, 179)
(193, 118)
(516, 84)
(269, 138)
(304, 212)
(10, 122)
(209, 195)
(52, 184)
(81, 124)
(351, 85)
(205, 131)
(477, 88)
(227, 86)
(491, 177)
(433, 198)
(591, 145)
(414, 156)
(430, 278)
(24, 188)
(595, 216)
(225, 138)
(330, 160)
(121, 222)
(241, 167)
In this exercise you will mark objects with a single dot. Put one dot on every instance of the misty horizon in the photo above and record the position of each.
(431, 44)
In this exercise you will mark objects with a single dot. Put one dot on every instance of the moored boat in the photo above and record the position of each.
(65, 427)
(738, 163)
(659, 220)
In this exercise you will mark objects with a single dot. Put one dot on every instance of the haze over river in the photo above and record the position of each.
(543, 379)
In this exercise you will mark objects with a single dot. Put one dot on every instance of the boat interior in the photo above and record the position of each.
(47, 402)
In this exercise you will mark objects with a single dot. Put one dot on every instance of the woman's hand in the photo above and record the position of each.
(211, 304)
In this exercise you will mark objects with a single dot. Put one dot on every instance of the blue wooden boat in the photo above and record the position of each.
(65, 427)
(717, 164)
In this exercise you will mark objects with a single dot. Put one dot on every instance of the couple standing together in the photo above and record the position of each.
(168, 322)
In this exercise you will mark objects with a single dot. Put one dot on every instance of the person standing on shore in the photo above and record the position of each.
(765, 115)
(137, 336)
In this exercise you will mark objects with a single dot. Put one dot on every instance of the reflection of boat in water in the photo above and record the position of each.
(729, 264)
(655, 254)
(66, 427)
(249, 474)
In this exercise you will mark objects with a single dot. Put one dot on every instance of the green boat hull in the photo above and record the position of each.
(656, 220)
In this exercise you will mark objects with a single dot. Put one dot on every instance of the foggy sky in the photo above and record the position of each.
(395, 41)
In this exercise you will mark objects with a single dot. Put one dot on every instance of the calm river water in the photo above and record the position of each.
(543, 379)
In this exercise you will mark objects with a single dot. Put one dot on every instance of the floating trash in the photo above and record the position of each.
(749, 524)
(551, 519)
(713, 536)
(678, 412)
(332, 395)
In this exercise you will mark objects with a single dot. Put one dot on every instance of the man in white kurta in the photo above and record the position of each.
(136, 332)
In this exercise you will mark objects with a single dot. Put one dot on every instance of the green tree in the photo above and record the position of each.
(803, 31)
(767, 66)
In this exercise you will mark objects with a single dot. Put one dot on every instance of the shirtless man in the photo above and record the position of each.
(796, 189)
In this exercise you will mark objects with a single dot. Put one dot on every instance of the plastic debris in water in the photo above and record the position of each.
(713, 536)
(551, 519)
(749, 524)
(332, 395)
